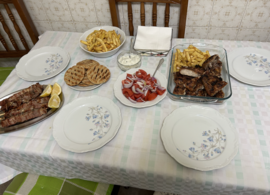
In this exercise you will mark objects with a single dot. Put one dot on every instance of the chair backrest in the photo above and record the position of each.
(182, 17)
(28, 23)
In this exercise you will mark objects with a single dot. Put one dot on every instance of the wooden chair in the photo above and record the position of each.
(28, 23)
(182, 19)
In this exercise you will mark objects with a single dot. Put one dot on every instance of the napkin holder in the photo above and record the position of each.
(155, 53)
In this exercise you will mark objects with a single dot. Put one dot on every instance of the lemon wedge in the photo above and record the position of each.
(54, 101)
(47, 91)
(56, 89)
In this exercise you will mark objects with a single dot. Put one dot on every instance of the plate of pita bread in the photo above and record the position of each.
(87, 75)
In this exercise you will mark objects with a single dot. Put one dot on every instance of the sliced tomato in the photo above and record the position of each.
(143, 77)
(138, 95)
(142, 72)
(153, 80)
(127, 90)
(160, 92)
(154, 88)
(126, 94)
(146, 97)
(123, 83)
(152, 96)
(139, 75)
(143, 96)
(126, 81)
(129, 75)
(136, 85)
(148, 83)
(146, 78)
(132, 97)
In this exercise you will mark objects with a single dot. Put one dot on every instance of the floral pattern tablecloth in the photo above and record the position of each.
(136, 156)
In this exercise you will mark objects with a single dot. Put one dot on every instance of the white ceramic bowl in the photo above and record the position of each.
(107, 28)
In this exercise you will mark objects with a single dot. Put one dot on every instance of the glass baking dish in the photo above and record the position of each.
(213, 49)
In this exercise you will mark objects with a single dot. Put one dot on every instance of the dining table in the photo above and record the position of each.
(136, 156)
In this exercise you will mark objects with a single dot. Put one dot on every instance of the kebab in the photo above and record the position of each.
(24, 117)
(33, 104)
(21, 97)
(29, 103)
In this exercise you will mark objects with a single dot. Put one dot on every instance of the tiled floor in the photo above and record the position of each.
(119, 190)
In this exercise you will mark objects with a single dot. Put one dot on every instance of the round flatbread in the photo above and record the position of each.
(98, 74)
(86, 64)
(74, 75)
(85, 82)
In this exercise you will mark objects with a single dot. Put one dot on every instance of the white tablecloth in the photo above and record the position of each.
(7, 173)
(136, 156)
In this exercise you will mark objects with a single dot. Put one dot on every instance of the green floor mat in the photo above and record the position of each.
(4, 72)
(30, 184)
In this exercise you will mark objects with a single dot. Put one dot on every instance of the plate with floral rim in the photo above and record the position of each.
(87, 124)
(41, 64)
(199, 138)
(120, 96)
(250, 65)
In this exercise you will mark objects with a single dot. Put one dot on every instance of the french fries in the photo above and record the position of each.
(190, 57)
(102, 41)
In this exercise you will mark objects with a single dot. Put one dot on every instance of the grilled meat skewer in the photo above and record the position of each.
(21, 97)
(23, 117)
(33, 104)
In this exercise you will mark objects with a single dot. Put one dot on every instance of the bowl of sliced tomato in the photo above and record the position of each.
(137, 88)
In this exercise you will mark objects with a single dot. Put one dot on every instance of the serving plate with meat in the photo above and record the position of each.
(25, 107)
(207, 82)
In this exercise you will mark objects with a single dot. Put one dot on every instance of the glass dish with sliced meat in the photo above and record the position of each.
(24, 108)
(199, 72)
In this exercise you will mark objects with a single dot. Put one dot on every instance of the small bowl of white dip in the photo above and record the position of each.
(127, 60)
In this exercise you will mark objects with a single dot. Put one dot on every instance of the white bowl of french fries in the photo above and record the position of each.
(102, 41)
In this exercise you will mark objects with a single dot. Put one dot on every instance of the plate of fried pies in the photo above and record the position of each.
(87, 75)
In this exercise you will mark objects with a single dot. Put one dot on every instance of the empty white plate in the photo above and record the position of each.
(87, 124)
(41, 64)
(199, 138)
(250, 65)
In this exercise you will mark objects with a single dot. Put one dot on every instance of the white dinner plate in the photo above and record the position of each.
(118, 88)
(199, 138)
(250, 65)
(41, 64)
(88, 88)
(86, 124)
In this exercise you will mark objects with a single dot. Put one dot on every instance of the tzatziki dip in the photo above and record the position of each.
(129, 59)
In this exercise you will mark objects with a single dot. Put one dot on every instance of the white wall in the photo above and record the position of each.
(207, 19)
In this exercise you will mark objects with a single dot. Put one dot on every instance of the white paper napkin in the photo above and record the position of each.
(153, 38)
